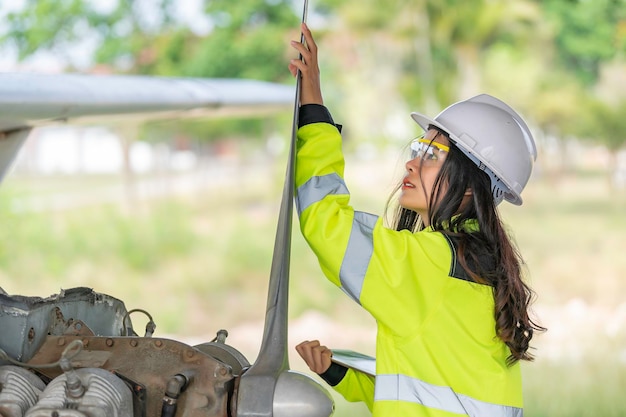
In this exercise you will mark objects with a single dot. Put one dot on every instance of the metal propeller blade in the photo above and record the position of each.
(268, 388)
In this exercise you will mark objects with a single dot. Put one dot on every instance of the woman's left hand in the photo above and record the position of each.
(316, 356)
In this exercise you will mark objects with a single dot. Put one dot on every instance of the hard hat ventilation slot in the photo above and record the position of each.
(498, 189)
(498, 193)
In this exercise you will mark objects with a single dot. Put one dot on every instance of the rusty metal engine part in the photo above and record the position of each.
(29, 320)
(147, 365)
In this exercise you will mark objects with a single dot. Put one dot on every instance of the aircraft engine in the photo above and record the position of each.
(76, 354)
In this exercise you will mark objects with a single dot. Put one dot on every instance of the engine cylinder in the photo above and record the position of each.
(19, 390)
(105, 395)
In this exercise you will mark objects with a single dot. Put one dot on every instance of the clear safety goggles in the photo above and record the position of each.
(427, 150)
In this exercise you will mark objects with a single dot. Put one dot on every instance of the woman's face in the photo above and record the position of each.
(428, 154)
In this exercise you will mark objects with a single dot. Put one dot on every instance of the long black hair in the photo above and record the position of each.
(461, 206)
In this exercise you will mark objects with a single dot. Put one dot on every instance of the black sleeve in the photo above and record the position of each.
(334, 374)
(315, 113)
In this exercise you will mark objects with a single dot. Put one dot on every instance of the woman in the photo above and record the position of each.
(444, 285)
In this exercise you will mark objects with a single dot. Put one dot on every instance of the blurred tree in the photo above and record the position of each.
(605, 124)
(124, 34)
(249, 40)
(610, 126)
(587, 33)
(463, 33)
(432, 53)
(440, 42)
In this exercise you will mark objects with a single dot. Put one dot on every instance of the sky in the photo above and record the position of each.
(187, 11)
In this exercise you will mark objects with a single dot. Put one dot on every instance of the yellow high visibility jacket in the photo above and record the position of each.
(437, 353)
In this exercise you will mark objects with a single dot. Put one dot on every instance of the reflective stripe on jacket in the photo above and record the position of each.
(437, 351)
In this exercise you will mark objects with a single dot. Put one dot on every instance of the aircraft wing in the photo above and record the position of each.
(29, 100)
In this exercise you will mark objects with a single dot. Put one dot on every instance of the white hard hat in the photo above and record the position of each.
(494, 137)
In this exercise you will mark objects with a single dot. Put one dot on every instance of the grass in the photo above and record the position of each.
(200, 262)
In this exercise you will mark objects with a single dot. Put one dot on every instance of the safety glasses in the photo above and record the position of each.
(427, 150)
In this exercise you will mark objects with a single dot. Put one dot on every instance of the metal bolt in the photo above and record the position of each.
(109, 342)
(133, 343)
(158, 343)
(61, 341)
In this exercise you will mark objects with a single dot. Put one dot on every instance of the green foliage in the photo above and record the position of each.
(587, 33)
(432, 43)
(250, 14)
(45, 25)
(257, 54)
(605, 123)
(580, 387)
(125, 33)
(103, 234)
(249, 40)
